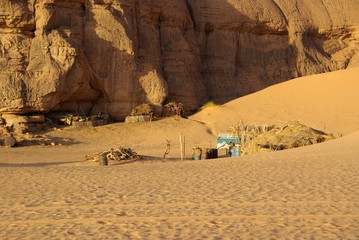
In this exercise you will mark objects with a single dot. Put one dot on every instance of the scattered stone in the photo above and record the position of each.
(9, 141)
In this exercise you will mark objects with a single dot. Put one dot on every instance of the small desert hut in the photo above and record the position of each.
(291, 135)
(141, 113)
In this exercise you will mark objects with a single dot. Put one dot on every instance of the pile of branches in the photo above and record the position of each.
(116, 155)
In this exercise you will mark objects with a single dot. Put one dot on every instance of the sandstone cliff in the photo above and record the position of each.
(112, 55)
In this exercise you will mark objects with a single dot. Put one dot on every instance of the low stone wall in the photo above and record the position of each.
(135, 119)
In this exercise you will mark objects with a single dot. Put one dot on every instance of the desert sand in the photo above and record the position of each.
(50, 192)
(328, 102)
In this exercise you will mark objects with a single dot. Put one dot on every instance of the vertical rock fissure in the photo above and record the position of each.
(190, 11)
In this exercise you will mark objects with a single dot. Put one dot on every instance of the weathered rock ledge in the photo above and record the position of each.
(112, 55)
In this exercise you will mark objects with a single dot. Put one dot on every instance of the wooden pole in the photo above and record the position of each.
(181, 147)
(184, 146)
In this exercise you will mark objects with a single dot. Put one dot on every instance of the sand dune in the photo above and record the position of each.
(303, 193)
(328, 102)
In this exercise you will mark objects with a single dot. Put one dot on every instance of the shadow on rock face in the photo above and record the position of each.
(110, 56)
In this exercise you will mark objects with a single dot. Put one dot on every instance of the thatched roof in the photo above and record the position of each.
(291, 135)
(143, 109)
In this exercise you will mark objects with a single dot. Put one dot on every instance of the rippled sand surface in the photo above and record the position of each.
(297, 194)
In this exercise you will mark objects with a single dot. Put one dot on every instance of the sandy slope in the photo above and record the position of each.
(327, 102)
(147, 139)
(303, 193)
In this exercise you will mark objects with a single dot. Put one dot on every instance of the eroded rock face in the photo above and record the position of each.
(112, 55)
(248, 45)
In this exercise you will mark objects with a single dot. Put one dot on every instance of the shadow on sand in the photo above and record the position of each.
(42, 164)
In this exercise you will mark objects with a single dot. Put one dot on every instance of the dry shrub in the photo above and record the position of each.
(208, 105)
(143, 109)
(173, 109)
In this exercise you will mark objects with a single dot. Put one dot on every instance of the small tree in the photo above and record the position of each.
(238, 131)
